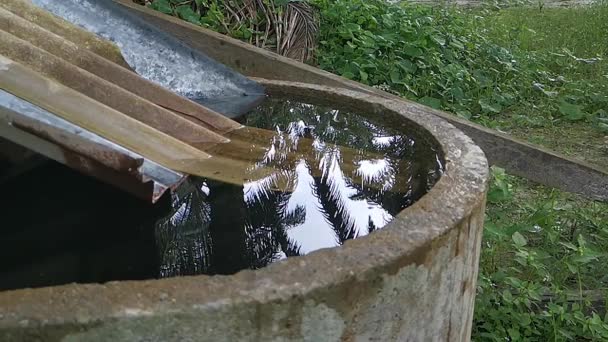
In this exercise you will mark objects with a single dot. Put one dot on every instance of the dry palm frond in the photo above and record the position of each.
(301, 27)
(288, 27)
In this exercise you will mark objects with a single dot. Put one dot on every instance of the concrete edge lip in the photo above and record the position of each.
(451, 200)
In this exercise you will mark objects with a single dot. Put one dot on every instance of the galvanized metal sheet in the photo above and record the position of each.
(160, 57)
(77, 140)
(37, 34)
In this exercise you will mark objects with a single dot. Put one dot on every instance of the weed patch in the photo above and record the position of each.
(544, 266)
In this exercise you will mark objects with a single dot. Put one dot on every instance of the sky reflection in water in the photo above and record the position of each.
(336, 176)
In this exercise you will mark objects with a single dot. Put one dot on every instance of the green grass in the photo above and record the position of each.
(557, 37)
(517, 70)
(582, 30)
(544, 266)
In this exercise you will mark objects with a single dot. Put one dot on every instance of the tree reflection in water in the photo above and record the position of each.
(317, 197)
(183, 236)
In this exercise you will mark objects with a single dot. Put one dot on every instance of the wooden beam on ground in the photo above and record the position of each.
(517, 157)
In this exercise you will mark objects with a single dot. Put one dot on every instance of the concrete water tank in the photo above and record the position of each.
(413, 280)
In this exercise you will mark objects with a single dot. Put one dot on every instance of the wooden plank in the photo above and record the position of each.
(94, 116)
(233, 163)
(113, 73)
(38, 16)
(121, 129)
(105, 92)
(71, 143)
(517, 157)
(91, 167)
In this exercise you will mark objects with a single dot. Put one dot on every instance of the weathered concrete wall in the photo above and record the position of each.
(428, 299)
(517, 157)
(413, 280)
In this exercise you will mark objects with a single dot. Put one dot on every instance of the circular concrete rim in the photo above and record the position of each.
(403, 241)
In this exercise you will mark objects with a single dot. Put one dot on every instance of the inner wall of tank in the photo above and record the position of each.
(63, 227)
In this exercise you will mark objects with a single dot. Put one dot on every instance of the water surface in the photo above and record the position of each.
(328, 176)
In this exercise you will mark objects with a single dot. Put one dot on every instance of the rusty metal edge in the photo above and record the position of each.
(43, 132)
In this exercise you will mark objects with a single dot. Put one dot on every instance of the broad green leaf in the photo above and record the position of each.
(463, 113)
(570, 111)
(430, 101)
(492, 231)
(519, 239)
(395, 76)
(348, 74)
(407, 66)
(352, 27)
(458, 94)
(573, 269)
(185, 12)
(514, 334)
(457, 44)
(581, 240)
(246, 34)
(363, 75)
(439, 40)
(498, 194)
(586, 258)
(412, 51)
(162, 6)
(568, 245)
(490, 107)
(515, 282)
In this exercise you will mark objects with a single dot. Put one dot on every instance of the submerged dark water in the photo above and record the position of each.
(60, 227)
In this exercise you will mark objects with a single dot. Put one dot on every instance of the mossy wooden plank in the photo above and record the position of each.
(38, 16)
(96, 117)
(121, 129)
(106, 69)
(104, 91)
